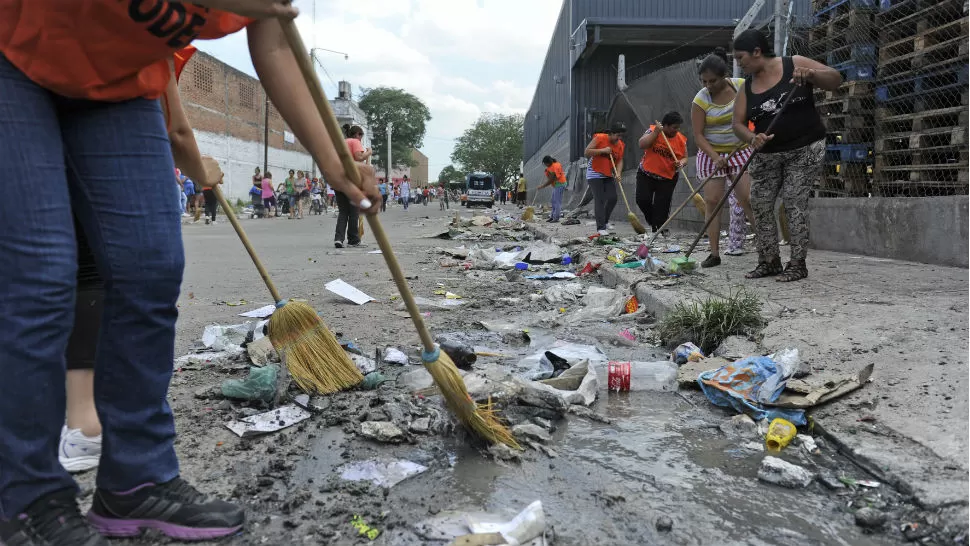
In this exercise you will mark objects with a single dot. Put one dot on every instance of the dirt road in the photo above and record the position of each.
(660, 459)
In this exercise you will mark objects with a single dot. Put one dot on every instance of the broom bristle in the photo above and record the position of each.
(637, 226)
(700, 205)
(528, 214)
(479, 419)
(315, 359)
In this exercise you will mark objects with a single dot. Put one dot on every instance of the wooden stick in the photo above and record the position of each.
(350, 169)
(230, 214)
(616, 178)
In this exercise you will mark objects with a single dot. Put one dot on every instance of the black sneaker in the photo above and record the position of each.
(711, 261)
(338, 244)
(52, 520)
(175, 508)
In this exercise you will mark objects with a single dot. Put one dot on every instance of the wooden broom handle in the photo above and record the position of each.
(620, 184)
(245, 241)
(350, 170)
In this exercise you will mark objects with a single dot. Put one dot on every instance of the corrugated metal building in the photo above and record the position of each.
(578, 81)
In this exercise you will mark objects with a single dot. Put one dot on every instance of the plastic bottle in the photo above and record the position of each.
(780, 432)
(642, 376)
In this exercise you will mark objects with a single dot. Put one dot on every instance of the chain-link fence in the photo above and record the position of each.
(898, 125)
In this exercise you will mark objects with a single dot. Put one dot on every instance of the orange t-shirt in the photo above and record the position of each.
(601, 163)
(354, 145)
(104, 50)
(657, 159)
(556, 170)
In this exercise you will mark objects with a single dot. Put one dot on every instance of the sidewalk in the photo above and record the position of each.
(909, 319)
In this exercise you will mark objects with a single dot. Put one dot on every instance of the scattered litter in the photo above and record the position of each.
(541, 252)
(558, 357)
(589, 269)
(617, 255)
(599, 304)
(363, 529)
(270, 421)
(745, 385)
(529, 525)
(641, 376)
(372, 380)
(260, 385)
(870, 517)
(263, 312)
(671, 249)
(687, 352)
(364, 364)
(740, 425)
(529, 431)
(382, 431)
(220, 338)
(395, 356)
(561, 275)
(808, 444)
(262, 352)
(577, 385)
(821, 388)
(780, 433)
(871, 484)
(452, 296)
(346, 291)
(423, 302)
(631, 305)
(785, 474)
(561, 293)
(382, 473)
(378, 251)
(211, 358)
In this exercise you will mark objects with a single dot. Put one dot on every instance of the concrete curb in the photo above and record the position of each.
(897, 460)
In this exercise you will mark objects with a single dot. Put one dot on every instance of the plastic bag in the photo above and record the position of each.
(260, 385)
(687, 352)
(747, 384)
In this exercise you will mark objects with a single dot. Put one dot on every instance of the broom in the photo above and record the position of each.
(698, 200)
(312, 354)
(690, 198)
(481, 420)
(637, 226)
(360, 228)
(686, 264)
(529, 213)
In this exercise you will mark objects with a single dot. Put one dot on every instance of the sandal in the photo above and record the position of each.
(766, 269)
(794, 271)
(711, 261)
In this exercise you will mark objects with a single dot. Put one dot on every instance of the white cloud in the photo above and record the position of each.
(461, 57)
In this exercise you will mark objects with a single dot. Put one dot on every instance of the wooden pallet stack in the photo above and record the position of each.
(844, 36)
(921, 98)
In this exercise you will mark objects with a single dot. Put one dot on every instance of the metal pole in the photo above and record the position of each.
(779, 32)
(390, 127)
(313, 163)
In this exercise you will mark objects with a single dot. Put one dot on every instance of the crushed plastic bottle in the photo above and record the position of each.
(642, 376)
(780, 433)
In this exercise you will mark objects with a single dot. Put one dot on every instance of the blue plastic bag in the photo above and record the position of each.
(745, 384)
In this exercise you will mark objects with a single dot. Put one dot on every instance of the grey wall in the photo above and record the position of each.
(550, 102)
(920, 229)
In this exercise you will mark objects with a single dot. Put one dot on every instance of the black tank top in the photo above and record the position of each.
(799, 126)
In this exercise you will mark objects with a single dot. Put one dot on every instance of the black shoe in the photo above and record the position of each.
(358, 244)
(338, 244)
(174, 508)
(52, 520)
(711, 261)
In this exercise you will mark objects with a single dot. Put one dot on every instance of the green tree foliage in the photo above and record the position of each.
(451, 175)
(493, 144)
(409, 117)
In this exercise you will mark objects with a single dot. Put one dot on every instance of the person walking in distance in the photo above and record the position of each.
(712, 116)
(599, 172)
(521, 191)
(290, 193)
(269, 198)
(658, 171)
(347, 214)
(211, 205)
(382, 187)
(789, 161)
(555, 177)
(301, 194)
(405, 192)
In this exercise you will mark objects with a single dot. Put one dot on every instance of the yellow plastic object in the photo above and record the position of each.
(780, 432)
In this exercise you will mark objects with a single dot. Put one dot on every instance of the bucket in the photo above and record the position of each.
(618, 378)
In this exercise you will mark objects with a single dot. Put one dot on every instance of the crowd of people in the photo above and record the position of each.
(92, 288)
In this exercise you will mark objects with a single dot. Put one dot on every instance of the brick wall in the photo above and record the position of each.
(226, 110)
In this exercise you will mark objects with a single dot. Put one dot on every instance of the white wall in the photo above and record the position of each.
(239, 158)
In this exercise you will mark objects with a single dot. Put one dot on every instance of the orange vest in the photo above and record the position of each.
(657, 159)
(556, 170)
(601, 163)
(104, 50)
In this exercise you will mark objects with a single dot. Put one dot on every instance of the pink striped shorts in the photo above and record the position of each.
(706, 167)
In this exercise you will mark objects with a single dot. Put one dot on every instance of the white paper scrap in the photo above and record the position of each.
(344, 290)
(262, 312)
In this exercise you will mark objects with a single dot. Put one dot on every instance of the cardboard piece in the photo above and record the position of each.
(346, 291)
(815, 391)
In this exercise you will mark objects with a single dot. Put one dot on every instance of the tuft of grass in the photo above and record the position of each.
(707, 323)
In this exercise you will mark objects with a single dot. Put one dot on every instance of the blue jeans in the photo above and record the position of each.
(557, 192)
(111, 165)
(183, 200)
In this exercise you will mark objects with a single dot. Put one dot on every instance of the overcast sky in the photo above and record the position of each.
(461, 57)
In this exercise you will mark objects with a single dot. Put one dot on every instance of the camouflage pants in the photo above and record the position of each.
(790, 175)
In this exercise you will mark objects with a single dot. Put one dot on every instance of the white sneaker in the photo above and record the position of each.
(604, 232)
(734, 252)
(78, 452)
(610, 227)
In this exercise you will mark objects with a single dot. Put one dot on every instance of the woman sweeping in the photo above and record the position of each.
(89, 122)
(347, 217)
(712, 117)
(556, 178)
(600, 175)
(789, 160)
(657, 173)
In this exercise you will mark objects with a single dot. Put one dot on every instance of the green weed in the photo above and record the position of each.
(707, 323)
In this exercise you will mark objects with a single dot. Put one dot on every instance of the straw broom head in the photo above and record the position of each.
(635, 222)
(479, 419)
(528, 214)
(315, 359)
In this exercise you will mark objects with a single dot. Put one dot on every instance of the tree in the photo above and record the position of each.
(409, 117)
(450, 175)
(493, 144)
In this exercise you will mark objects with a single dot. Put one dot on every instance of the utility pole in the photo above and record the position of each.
(265, 133)
(390, 127)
